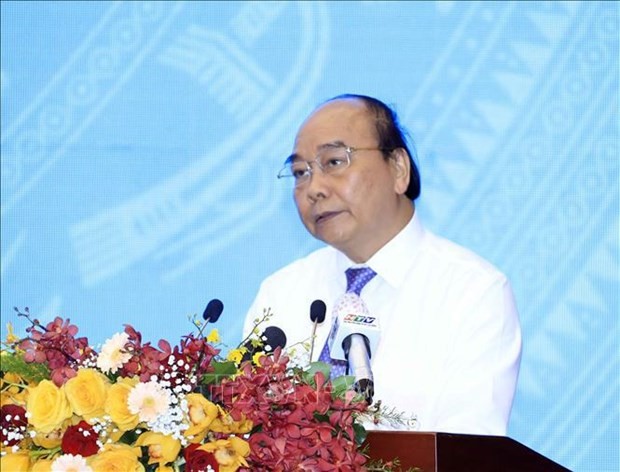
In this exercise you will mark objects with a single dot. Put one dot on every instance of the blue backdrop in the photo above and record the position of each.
(140, 144)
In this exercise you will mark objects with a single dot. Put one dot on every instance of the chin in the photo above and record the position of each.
(335, 237)
(337, 243)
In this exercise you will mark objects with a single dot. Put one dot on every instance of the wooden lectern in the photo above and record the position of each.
(447, 452)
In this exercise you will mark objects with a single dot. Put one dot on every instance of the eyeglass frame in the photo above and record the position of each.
(349, 150)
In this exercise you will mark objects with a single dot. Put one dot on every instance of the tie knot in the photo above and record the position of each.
(357, 278)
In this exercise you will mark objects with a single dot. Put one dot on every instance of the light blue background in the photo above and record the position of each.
(140, 144)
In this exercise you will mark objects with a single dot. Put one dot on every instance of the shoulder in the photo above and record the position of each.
(449, 256)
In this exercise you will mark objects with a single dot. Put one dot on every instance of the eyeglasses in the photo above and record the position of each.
(331, 160)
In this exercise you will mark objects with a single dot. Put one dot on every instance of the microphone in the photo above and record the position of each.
(354, 339)
(317, 316)
(211, 314)
(271, 338)
(317, 311)
(213, 311)
(357, 351)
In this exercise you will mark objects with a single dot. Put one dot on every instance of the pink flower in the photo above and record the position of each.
(70, 463)
(56, 346)
(113, 353)
(148, 401)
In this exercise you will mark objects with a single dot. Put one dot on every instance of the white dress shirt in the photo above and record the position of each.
(450, 337)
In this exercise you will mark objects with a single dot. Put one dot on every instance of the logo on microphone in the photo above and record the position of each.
(359, 319)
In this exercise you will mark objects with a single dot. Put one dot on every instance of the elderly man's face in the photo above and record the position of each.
(360, 209)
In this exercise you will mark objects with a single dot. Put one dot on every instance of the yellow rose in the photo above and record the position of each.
(229, 453)
(116, 404)
(201, 413)
(117, 458)
(162, 448)
(87, 392)
(47, 406)
(15, 462)
(42, 465)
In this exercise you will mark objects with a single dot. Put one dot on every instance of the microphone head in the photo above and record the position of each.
(274, 337)
(317, 311)
(213, 311)
(270, 339)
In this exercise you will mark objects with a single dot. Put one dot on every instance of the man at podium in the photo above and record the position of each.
(450, 341)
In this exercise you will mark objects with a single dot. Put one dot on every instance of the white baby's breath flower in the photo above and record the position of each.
(113, 354)
(148, 401)
(70, 463)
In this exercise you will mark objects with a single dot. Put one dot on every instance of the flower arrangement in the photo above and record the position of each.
(133, 406)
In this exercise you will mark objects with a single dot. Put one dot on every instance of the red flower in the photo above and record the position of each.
(12, 424)
(56, 346)
(198, 460)
(300, 426)
(80, 439)
(181, 365)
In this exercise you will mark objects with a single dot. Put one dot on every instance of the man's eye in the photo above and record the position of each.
(299, 172)
(334, 162)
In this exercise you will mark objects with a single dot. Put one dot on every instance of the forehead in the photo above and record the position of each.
(346, 121)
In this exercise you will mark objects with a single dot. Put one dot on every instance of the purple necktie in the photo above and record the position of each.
(356, 280)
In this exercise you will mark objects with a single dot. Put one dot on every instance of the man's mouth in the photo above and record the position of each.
(325, 216)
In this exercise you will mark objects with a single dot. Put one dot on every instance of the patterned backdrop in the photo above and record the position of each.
(140, 144)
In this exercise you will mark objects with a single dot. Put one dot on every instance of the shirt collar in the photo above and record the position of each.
(393, 261)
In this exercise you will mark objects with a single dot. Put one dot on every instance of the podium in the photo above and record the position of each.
(447, 452)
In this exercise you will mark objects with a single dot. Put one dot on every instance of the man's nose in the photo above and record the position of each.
(318, 185)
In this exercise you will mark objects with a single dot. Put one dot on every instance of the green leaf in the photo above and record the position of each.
(36, 452)
(221, 371)
(308, 375)
(360, 433)
(321, 418)
(30, 371)
(341, 384)
(129, 437)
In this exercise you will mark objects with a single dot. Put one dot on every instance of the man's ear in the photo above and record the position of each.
(401, 169)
